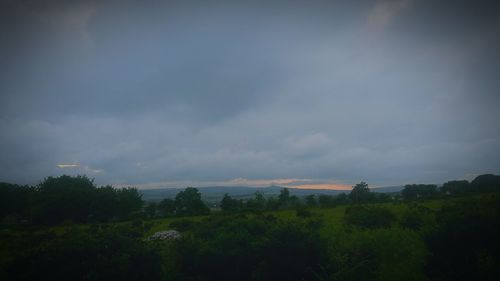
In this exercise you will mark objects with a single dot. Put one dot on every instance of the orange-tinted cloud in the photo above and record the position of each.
(332, 186)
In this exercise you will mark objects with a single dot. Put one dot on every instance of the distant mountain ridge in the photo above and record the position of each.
(215, 193)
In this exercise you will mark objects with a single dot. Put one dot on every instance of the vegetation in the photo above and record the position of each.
(68, 199)
(450, 233)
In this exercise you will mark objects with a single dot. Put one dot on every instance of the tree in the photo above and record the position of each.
(273, 203)
(228, 204)
(416, 191)
(64, 198)
(294, 201)
(455, 187)
(104, 206)
(486, 183)
(258, 203)
(340, 199)
(15, 200)
(129, 201)
(360, 193)
(325, 200)
(166, 207)
(284, 196)
(311, 200)
(151, 209)
(465, 244)
(189, 203)
(369, 217)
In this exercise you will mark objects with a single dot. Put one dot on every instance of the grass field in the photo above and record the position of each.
(331, 217)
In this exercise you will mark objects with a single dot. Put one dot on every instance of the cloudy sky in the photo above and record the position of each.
(296, 93)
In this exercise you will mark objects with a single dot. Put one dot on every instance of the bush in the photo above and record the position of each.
(238, 248)
(465, 245)
(369, 217)
(379, 254)
(182, 224)
(416, 217)
(86, 255)
(303, 213)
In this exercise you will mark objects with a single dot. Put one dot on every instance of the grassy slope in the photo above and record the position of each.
(333, 217)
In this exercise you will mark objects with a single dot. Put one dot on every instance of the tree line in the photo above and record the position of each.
(67, 198)
(78, 199)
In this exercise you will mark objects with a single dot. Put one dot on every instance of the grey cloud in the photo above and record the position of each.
(137, 93)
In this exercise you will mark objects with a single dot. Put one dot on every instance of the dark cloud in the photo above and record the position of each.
(175, 91)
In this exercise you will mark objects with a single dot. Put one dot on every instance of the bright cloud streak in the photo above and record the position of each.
(62, 166)
(323, 186)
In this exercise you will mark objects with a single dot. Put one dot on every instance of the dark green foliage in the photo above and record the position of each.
(379, 254)
(311, 200)
(302, 212)
(228, 204)
(481, 184)
(284, 196)
(342, 199)
(466, 245)
(166, 207)
(325, 201)
(360, 193)
(189, 203)
(92, 255)
(419, 191)
(369, 217)
(15, 201)
(151, 209)
(294, 201)
(182, 224)
(273, 203)
(456, 187)
(129, 201)
(63, 198)
(258, 203)
(104, 207)
(458, 242)
(380, 197)
(240, 248)
(486, 183)
(68, 199)
(416, 217)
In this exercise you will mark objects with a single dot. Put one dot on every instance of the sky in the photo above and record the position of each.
(295, 93)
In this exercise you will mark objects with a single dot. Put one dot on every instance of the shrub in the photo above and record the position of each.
(369, 217)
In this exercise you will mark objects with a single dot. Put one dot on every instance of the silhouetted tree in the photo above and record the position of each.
(15, 200)
(166, 207)
(189, 203)
(129, 201)
(64, 198)
(325, 201)
(104, 205)
(360, 193)
(258, 203)
(151, 209)
(294, 201)
(284, 196)
(341, 199)
(273, 203)
(455, 187)
(416, 191)
(486, 183)
(228, 204)
(311, 200)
